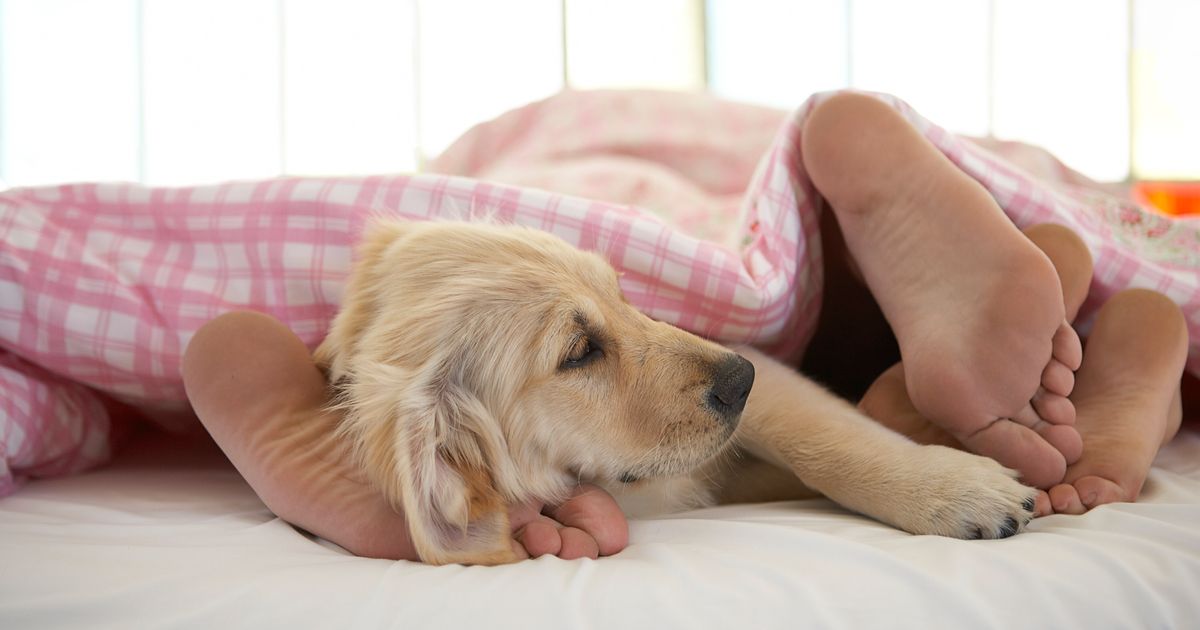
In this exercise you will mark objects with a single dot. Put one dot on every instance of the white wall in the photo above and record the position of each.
(188, 91)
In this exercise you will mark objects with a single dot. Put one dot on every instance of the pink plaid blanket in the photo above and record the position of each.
(704, 205)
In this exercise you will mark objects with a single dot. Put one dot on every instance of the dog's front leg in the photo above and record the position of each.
(835, 449)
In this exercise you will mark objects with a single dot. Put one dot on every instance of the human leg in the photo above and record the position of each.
(976, 308)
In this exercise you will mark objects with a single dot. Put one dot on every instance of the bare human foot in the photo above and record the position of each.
(976, 308)
(1126, 397)
(887, 400)
(255, 388)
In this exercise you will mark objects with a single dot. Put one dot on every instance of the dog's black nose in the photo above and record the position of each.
(732, 379)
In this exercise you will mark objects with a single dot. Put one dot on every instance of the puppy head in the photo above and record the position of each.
(482, 365)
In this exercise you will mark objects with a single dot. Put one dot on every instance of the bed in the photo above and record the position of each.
(168, 535)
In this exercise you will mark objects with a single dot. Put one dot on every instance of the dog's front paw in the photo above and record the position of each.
(966, 496)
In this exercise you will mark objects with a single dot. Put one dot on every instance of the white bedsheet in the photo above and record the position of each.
(172, 537)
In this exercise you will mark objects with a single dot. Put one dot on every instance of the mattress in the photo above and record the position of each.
(169, 536)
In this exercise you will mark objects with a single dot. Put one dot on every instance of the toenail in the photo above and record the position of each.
(1029, 504)
(1010, 527)
(1090, 499)
(976, 535)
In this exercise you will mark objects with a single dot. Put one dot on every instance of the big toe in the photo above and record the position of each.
(1021, 448)
(1065, 500)
(577, 544)
(1094, 491)
(1053, 418)
(594, 511)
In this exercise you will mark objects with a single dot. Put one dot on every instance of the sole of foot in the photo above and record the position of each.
(1127, 399)
(255, 388)
(976, 307)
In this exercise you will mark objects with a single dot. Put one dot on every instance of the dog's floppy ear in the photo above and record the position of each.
(428, 447)
(362, 289)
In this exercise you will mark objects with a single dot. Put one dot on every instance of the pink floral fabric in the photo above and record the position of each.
(704, 205)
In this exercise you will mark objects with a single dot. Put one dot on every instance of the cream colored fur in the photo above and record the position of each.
(451, 359)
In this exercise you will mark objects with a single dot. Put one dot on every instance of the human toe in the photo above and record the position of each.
(1042, 505)
(1095, 491)
(1053, 408)
(576, 544)
(1065, 439)
(540, 537)
(1065, 499)
(1057, 427)
(1058, 378)
(1067, 348)
(1021, 448)
(595, 512)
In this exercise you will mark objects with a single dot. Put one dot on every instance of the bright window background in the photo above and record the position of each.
(189, 91)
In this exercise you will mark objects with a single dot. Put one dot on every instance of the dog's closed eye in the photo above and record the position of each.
(583, 351)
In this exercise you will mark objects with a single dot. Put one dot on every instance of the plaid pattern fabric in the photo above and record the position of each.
(704, 206)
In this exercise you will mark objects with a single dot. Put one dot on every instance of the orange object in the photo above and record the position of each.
(1169, 197)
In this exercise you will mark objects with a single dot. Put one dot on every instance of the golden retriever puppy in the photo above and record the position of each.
(481, 365)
